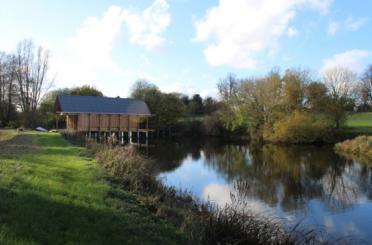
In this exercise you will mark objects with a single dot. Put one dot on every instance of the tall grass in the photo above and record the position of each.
(201, 222)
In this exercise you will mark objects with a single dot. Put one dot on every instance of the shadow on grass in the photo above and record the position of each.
(30, 218)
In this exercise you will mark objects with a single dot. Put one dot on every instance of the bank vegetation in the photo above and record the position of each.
(358, 149)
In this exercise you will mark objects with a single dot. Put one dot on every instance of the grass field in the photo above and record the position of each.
(49, 194)
(359, 123)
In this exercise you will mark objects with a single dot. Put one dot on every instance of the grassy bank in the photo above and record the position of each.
(359, 123)
(52, 195)
(359, 149)
(200, 222)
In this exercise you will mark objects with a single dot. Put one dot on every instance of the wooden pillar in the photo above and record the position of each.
(109, 124)
(89, 125)
(129, 131)
(119, 124)
(99, 127)
(128, 123)
(56, 121)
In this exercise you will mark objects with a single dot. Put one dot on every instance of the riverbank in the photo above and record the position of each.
(359, 149)
(50, 194)
(200, 222)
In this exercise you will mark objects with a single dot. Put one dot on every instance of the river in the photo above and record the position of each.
(312, 185)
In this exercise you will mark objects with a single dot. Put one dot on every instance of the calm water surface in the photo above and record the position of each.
(311, 184)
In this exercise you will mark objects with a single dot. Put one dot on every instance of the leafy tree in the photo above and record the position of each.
(294, 88)
(195, 106)
(167, 108)
(85, 90)
(316, 94)
(210, 105)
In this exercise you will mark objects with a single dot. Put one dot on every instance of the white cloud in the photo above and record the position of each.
(146, 28)
(217, 193)
(352, 24)
(355, 60)
(184, 88)
(238, 31)
(88, 58)
(220, 194)
(333, 28)
(89, 51)
(292, 32)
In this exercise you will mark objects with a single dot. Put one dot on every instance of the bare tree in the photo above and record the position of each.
(7, 91)
(366, 85)
(339, 81)
(228, 87)
(31, 75)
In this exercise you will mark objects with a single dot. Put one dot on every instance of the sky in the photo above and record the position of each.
(186, 46)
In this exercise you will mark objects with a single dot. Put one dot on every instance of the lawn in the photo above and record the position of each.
(49, 194)
(359, 123)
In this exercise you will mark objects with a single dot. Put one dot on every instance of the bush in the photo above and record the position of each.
(301, 127)
(359, 149)
(74, 137)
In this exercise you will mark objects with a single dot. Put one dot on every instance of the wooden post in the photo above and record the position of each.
(89, 125)
(109, 124)
(128, 123)
(56, 121)
(147, 130)
(119, 124)
(99, 127)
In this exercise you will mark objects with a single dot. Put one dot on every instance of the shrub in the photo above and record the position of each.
(301, 127)
(359, 149)
(76, 138)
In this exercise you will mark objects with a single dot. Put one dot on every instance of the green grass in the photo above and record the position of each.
(49, 194)
(359, 123)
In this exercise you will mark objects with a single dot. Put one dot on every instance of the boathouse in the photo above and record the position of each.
(96, 115)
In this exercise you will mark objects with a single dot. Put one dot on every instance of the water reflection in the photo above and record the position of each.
(297, 180)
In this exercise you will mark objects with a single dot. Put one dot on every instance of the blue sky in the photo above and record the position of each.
(187, 45)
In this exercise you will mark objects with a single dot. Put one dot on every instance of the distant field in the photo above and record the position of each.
(359, 123)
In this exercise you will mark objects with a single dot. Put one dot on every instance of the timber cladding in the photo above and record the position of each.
(98, 122)
(92, 113)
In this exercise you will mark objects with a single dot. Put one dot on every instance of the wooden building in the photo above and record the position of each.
(97, 115)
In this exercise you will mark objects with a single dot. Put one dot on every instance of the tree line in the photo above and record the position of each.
(292, 107)
(289, 106)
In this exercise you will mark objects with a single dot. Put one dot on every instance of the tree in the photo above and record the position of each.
(261, 100)
(340, 82)
(8, 111)
(85, 90)
(210, 105)
(195, 106)
(293, 92)
(365, 88)
(143, 88)
(167, 108)
(228, 87)
(31, 75)
(317, 99)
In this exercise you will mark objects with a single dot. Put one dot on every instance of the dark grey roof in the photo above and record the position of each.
(104, 105)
